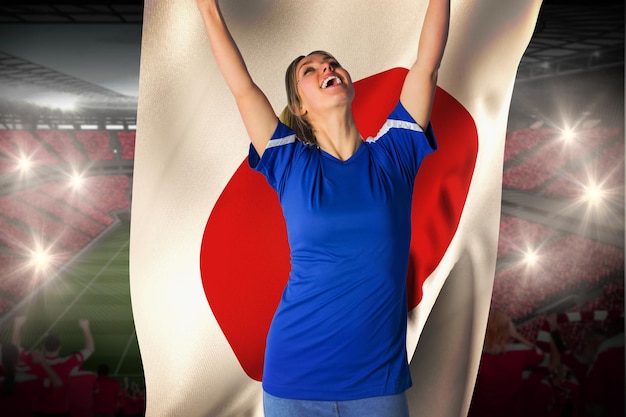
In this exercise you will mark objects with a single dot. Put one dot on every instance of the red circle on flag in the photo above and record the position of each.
(244, 256)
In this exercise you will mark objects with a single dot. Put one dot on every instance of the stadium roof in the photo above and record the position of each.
(570, 37)
(72, 11)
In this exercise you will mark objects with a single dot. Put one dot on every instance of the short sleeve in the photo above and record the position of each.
(277, 156)
(404, 141)
(84, 354)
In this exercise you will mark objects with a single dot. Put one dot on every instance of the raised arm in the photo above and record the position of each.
(419, 87)
(256, 111)
(517, 336)
(89, 342)
(16, 337)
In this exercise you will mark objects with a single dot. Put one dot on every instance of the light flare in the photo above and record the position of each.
(531, 258)
(594, 194)
(24, 164)
(568, 136)
(76, 181)
(600, 197)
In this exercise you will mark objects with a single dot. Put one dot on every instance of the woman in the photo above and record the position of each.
(338, 338)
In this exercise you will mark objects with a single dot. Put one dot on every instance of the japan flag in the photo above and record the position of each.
(209, 255)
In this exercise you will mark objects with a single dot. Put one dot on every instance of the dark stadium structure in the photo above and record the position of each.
(561, 243)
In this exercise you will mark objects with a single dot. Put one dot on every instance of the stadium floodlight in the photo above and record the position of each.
(24, 164)
(568, 135)
(531, 258)
(530, 254)
(600, 196)
(41, 259)
(88, 127)
(76, 181)
(114, 127)
(65, 127)
(594, 194)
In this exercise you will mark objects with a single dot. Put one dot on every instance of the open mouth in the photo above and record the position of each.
(330, 81)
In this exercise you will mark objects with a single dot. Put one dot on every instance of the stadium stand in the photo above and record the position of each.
(515, 233)
(17, 144)
(127, 140)
(548, 155)
(96, 144)
(71, 219)
(50, 213)
(64, 193)
(63, 144)
(523, 140)
(573, 273)
(607, 170)
(567, 264)
(535, 169)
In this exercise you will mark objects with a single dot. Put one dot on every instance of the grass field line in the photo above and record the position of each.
(70, 305)
(119, 364)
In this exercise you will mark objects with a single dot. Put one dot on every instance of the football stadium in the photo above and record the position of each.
(69, 74)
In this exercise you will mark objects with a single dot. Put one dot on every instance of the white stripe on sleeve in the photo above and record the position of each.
(395, 124)
(281, 141)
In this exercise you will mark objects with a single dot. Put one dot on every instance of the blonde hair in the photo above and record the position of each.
(290, 115)
(497, 335)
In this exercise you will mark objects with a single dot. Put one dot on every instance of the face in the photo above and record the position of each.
(322, 83)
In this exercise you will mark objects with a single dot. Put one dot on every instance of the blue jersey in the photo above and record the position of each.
(339, 332)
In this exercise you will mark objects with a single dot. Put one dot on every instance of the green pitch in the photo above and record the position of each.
(95, 287)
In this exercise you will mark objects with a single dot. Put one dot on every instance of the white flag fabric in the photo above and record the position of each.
(209, 256)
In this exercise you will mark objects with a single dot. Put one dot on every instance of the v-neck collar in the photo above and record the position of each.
(339, 161)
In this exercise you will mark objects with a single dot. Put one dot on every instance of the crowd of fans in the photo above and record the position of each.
(520, 141)
(564, 264)
(53, 147)
(550, 162)
(86, 210)
(96, 143)
(607, 168)
(548, 377)
(16, 145)
(127, 141)
(515, 233)
(42, 382)
(52, 219)
(55, 218)
(565, 372)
